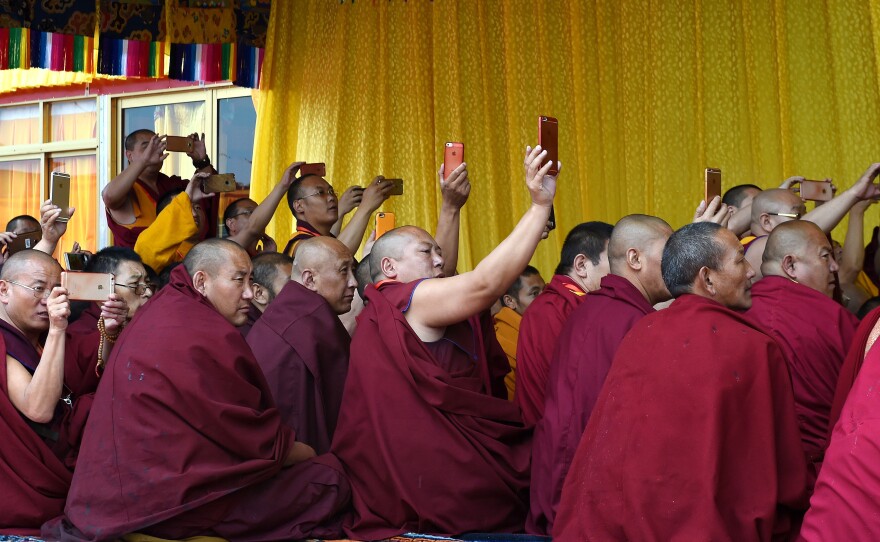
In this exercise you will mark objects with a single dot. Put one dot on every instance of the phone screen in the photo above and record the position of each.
(548, 139)
(61, 194)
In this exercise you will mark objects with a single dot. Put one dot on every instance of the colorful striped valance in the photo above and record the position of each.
(57, 36)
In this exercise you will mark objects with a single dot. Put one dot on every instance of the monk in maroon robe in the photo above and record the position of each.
(301, 344)
(793, 304)
(583, 356)
(694, 435)
(583, 264)
(271, 273)
(845, 505)
(865, 337)
(456, 457)
(184, 438)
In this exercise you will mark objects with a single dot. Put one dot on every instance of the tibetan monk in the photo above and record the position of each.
(301, 344)
(739, 198)
(456, 457)
(516, 300)
(694, 435)
(583, 355)
(184, 438)
(131, 196)
(271, 272)
(36, 391)
(773, 207)
(583, 264)
(793, 304)
(844, 505)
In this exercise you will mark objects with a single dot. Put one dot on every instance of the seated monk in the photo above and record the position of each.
(584, 352)
(583, 264)
(271, 273)
(456, 457)
(184, 438)
(844, 504)
(793, 304)
(301, 344)
(35, 396)
(694, 435)
(739, 198)
(515, 301)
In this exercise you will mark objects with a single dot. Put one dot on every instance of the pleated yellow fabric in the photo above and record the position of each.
(647, 93)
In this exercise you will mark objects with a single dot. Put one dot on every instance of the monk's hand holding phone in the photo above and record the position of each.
(115, 313)
(376, 193)
(53, 229)
(350, 199)
(455, 187)
(714, 211)
(58, 307)
(194, 188)
(198, 150)
(542, 185)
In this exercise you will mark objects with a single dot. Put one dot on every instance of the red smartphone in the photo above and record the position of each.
(713, 184)
(384, 223)
(178, 144)
(452, 158)
(548, 139)
(816, 190)
(318, 168)
(87, 286)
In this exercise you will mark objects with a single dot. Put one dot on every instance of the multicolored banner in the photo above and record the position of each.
(15, 48)
(48, 34)
(132, 40)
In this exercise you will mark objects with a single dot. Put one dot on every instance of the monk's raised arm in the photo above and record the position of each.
(442, 302)
(829, 214)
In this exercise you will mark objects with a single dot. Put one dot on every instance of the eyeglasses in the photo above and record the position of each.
(139, 289)
(795, 216)
(322, 193)
(40, 292)
(243, 213)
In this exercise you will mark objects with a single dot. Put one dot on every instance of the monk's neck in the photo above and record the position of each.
(323, 229)
(33, 338)
(577, 282)
(150, 178)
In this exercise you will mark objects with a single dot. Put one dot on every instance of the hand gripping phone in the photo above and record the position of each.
(178, 144)
(223, 182)
(318, 168)
(453, 156)
(712, 188)
(548, 139)
(816, 190)
(87, 286)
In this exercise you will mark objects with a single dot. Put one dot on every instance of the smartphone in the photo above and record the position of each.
(551, 222)
(452, 158)
(384, 223)
(318, 168)
(816, 190)
(60, 194)
(178, 144)
(24, 241)
(75, 261)
(222, 182)
(396, 188)
(87, 286)
(548, 139)
(713, 184)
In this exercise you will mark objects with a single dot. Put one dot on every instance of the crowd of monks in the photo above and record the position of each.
(713, 382)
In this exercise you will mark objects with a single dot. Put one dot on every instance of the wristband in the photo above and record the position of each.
(203, 163)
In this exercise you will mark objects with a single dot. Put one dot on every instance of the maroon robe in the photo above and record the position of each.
(540, 328)
(127, 236)
(694, 436)
(852, 364)
(184, 439)
(33, 481)
(425, 445)
(87, 321)
(845, 503)
(252, 317)
(815, 334)
(302, 347)
(583, 356)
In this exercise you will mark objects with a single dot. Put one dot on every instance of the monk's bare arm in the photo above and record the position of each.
(36, 396)
(853, 258)
(374, 195)
(828, 215)
(298, 453)
(261, 216)
(455, 191)
(442, 302)
(115, 194)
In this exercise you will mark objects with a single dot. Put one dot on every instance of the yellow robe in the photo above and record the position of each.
(507, 331)
(169, 237)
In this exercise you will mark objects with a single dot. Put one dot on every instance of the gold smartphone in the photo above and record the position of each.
(223, 182)
(87, 286)
(396, 187)
(60, 194)
(713, 184)
(24, 241)
(816, 190)
(178, 144)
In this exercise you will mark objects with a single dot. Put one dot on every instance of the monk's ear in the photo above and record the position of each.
(309, 279)
(298, 206)
(508, 302)
(261, 296)
(199, 279)
(229, 221)
(765, 222)
(4, 292)
(633, 259)
(789, 267)
(388, 267)
(704, 276)
(580, 266)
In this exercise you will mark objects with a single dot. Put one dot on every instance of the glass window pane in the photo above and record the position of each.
(74, 120)
(235, 140)
(83, 197)
(174, 119)
(19, 189)
(20, 125)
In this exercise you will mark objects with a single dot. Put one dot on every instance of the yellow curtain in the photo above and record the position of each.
(19, 189)
(647, 95)
(83, 197)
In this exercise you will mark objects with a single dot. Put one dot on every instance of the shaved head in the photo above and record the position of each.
(767, 205)
(791, 238)
(635, 231)
(325, 266)
(211, 255)
(20, 262)
(393, 245)
(317, 251)
(800, 251)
